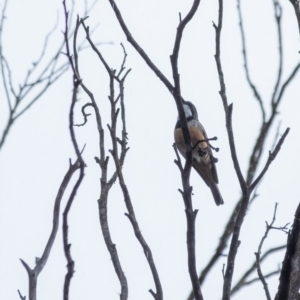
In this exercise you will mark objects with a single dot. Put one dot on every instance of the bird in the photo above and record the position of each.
(203, 160)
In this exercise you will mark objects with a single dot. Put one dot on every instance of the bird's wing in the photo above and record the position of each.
(209, 159)
(206, 168)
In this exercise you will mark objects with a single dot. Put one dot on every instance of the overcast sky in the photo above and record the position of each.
(36, 154)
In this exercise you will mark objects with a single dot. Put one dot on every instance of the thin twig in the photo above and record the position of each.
(85, 115)
(272, 156)
(251, 281)
(285, 85)
(21, 297)
(3, 17)
(245, 198)
(243, 280)
(276, 135)
(278, 14)
(131, 214)
(253, 87)
(227, 108)
(257, 254)
(33, 86)
(138, 48)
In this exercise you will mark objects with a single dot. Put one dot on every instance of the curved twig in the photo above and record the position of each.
(253, 87)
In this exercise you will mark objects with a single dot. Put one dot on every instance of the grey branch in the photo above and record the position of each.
(40, 263)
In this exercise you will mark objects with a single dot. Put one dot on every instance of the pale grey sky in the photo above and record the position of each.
(35, 156)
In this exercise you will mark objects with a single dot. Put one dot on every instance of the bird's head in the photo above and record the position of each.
(190, 110)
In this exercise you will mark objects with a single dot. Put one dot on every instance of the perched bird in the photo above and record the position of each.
(203, 160)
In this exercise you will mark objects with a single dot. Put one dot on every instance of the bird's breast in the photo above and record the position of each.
(196, 135)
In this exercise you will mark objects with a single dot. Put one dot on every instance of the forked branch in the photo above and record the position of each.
(65, 228)
(296, 5)
(41, 262)
(246, 191)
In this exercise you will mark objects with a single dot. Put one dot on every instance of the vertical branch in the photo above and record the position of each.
(235, 242)
(119, 160)
(290, 276)
(103, 163)
(67, 245)
(296, 5)
(258, 253)
(185, 172)
(190, 214)
(246, 191)
(253, 87)
(2, 59)
(227, 108)
(112, 129)
(131, 214)
(278, 14)
(259, 144)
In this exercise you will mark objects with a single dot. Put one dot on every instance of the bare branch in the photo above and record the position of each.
(44, 89)
(245, 199)
(290, 276)
(105, 186)
(246, 192)
(253, 87)
(21, 297)
(122, 68)
(85, 115)
(227, 108)
(272, 156)
(118, 164)
(296, 6)
(67, 245)
(276, 135)
(257, 254)
(278, 14)
(178, 160)
(190, 214)
(2, 60)
(86, 28)
(185, 173)
(285, 85)
(242, 282)
(251, 281)
(34, 84)
(253, 164)
(138, 48)
(40, 263)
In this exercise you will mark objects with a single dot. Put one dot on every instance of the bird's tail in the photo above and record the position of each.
(216, 193)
